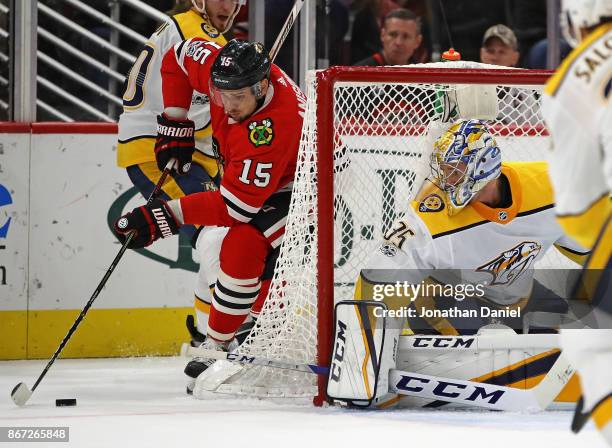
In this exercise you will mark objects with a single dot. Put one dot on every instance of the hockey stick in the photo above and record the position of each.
(253, 360)
(484, 395)
(21, 393)
(419, 385)
(280, 39)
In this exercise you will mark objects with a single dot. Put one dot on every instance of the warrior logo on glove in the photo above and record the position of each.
(175, 140)
(149, 222)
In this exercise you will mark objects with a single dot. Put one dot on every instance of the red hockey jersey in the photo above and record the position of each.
(258, 154)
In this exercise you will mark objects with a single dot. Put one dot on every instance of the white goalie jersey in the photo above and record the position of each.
(142, 98)
(492, 247)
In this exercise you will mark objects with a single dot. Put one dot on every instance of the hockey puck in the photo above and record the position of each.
(65, 402)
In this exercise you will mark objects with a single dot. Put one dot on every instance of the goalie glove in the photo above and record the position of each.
(150, 222)
(175, 140)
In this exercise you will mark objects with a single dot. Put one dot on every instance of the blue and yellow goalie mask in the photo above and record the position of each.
(464, 159)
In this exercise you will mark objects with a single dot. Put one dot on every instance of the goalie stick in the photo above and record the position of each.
(420, 385)
(21, 393)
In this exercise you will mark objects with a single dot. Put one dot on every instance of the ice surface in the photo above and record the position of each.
(141, 402)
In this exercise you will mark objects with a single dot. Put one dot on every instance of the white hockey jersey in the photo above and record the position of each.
(492, 247)
(577, 108)
(142, 98)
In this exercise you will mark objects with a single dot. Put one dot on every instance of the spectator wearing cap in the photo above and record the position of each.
(400, 36)
(499, 46)
(516, 106)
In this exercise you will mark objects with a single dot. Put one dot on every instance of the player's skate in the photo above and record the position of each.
(197, 365)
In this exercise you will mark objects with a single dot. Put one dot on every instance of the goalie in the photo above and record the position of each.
(481, 222)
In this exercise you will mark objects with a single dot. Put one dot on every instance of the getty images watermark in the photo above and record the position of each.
(413, 293)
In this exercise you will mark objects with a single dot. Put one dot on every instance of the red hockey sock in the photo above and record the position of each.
(242, 261)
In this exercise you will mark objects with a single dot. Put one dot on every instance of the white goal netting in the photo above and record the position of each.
(379, 147)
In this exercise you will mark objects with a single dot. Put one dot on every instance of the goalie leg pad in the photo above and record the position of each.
(364, 350)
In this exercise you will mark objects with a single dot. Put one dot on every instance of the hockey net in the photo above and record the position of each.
(361, 160)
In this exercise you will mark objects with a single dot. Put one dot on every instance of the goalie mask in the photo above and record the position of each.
(464, 159)
(230, 22)
(582, 14)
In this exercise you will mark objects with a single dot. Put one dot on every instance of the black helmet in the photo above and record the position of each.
(240, 64)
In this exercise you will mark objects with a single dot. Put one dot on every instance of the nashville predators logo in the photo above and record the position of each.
(432, 203)
(210, 30)
(261, 132)
(506, 268)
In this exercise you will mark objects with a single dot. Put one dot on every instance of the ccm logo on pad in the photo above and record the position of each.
(447, 389)
(441, 342)
(336, 370)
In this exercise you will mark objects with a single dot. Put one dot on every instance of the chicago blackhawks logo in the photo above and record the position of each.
(506, 268)
(432, 203)
(210, 30)
(261, 132)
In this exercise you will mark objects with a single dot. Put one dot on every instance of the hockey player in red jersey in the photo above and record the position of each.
(257, 114)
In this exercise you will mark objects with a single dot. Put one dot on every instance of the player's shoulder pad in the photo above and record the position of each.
(164, 37)
(534, 183)
(192, 24)
(432, 202)
(431, 209)
(195, 48)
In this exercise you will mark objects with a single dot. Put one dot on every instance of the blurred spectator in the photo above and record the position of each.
(499, 46)
(365, 35)
(400, 36)
(537, 55)
(365, 38)
(517, 106)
